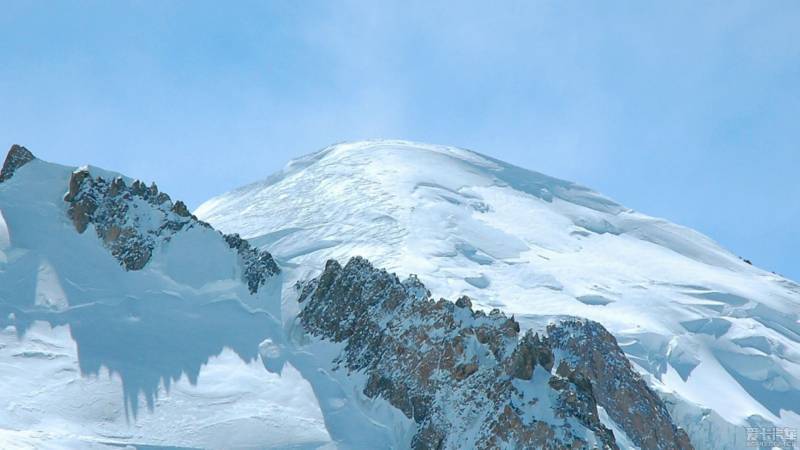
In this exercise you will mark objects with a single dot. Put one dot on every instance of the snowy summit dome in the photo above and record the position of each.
(689, 313)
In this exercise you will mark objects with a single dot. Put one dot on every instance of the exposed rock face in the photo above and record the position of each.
(258, 265)
(17, 157)
(594, 355)
(468, 380)
(133, 220)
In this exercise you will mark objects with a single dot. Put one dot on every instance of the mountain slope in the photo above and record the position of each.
(715, 335)
(127, 321)
(100, 348)
(470, 380)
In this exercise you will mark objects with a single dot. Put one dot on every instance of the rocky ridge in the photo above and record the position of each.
(468, 380)
(133, 220)
(17, 157)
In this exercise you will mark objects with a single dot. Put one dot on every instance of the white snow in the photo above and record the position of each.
(48, 287)
(715, 331)
(5, 239)
(622, 438)
(180, 354)
(233, 405)
(92, 356)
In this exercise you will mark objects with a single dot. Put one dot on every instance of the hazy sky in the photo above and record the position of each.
(684, 110)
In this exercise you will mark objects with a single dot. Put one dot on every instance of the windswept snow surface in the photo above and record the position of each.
(718, 337)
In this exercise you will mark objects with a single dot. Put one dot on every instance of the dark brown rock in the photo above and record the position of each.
(464, 370)
(17, 157)
(132, 230)
(75, 183)
(117, 186)
(180, 209)
(598, 361)
(422, 356)
(464, 302)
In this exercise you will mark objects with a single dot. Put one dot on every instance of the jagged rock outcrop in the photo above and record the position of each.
(258, 265)
(468, 380)
(594, 355)
(17, 157)
(133, 220)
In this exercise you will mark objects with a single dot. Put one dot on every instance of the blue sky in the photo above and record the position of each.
(685, 110)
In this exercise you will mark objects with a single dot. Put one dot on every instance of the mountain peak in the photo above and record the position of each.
(531, 244)
(692, 318)
(17, 157)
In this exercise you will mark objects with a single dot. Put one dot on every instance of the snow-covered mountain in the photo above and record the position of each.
(717, 337)
(114, 297)
(124, 320)
(127, 320)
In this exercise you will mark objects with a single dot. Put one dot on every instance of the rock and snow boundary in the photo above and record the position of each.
(163, 306)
